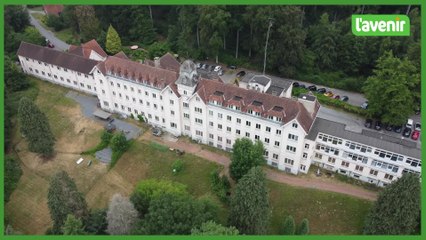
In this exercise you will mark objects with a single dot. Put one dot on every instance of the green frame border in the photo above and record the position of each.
(207, 2)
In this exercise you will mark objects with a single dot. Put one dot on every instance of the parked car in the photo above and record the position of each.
(204, 66)
(397, 129)
(217, 68)
(211, 68)
(415, 135)
(378, 126)
(406, 132)
(321, 90)
(156, 131)
(232, 67)
(388, 127)
(337, 97)
(418, 127)
(220, 73)
(368, 123)
(345, 98)
(312, 88)
(409, 123)
(364, 105)
(110, 127)
(198, 65)
(241, 74)
(296, 84)
(328, 94)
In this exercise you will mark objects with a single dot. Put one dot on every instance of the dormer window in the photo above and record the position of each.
(250, 111)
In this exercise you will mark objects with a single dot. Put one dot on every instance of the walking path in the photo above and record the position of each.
(271, 174)
(59, 44)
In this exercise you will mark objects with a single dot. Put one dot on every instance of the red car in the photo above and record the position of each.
(415, 135)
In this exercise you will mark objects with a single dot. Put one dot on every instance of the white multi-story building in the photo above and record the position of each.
(174, 97)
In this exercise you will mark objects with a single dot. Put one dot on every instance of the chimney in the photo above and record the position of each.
(309, 102)
(157, 62)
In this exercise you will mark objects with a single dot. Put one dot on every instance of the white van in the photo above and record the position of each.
(409, 123)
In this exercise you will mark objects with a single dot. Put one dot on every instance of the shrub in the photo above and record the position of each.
(220, 186)
(140, 118)
(119, 142)
(12, 173)
(132, 116)
(177, 166)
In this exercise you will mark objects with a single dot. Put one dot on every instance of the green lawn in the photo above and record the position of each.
(327, 212)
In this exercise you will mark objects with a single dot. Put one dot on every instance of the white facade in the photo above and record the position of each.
(182, 111)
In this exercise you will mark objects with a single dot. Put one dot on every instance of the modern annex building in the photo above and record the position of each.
(176, 98)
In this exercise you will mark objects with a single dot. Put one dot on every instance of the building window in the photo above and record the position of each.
(187, 128)
(186, 105)
(186, 115)
(172, 102)
(257, 126)
(305, 155)
(248, 123)
(228, 118)
(211, 124)
(239, 120)
(211, 136)
(228, 129)
(318, 155)
(291, 148)
(129, 109)
(278, 132)
(247, 134)
(219, 115)
(268, 129)
(199, 110)
(294, 125)
(115, 105)
(275, 156)
(303, 167)
(157, 118)
(289, 161)
(210, 111)
(106, 103)
(267, 140)
(373, 172)
(265, 153)
(345, 164)
(359, 168)
(331, 160)
(219, 126)
(228, 141)
(306, 146)
(292, 137)
(173, 125)
(237, 131)
(199, 133)
(256, 137)
(219, 138)
(277, 144)
(388, 176)
(172, 112)
(199, 121)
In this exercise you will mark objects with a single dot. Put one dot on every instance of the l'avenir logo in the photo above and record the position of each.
(381, 25)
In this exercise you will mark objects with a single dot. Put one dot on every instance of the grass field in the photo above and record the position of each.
(27, 211)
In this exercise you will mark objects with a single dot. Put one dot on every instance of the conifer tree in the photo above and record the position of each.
(113, 41)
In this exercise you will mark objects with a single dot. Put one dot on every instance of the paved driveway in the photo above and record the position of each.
(59, 44)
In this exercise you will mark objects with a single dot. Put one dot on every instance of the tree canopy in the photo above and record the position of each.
(397, 210)
(210, 228)
(121, 216)
(73, 226)
(63, 199)
(390, 90)
(249, 211)
(245, 155)
(113, 41)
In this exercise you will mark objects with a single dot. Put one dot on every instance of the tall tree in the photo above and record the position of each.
(176, 214)
(249, 211)
(149, 189)
(210, 228)
(35, 127)
(324, 42)
(303, 228)
(143, 28)
(63, 199)
(119, 142)
(17, 17)
(397, 209)
(73, 226)
(15, 79)
(391, 89)
(121, 216)
(289, 226)
(245, 155)
(87, 22)
(12, 174)
(96, 222)
(113, 41)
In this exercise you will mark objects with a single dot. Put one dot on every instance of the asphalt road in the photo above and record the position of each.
(355, 99)
(59, 44)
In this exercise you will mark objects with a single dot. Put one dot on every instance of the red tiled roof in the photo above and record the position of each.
(53, 9)
(93, 45)
(268, 105)
(168, 61)
(121, 54)
(134, 71)
(57, 58)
